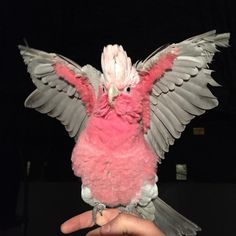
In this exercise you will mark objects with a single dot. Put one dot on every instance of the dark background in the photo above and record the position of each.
(79, 30)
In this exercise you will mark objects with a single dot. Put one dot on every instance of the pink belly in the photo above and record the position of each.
(114, 168)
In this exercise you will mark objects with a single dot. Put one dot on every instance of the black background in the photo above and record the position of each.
(79, 30)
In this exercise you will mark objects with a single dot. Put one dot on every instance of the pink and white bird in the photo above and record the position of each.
(125, 118)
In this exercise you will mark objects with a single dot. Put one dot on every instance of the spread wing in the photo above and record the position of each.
(182, 92)
(64, 90)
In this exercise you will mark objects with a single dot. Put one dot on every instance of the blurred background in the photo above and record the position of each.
(39, 190)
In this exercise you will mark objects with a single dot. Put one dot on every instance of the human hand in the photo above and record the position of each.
(111, 222)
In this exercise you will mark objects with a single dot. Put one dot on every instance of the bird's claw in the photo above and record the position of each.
(98, 208)
(130, 209)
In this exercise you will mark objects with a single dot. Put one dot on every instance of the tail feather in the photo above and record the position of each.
(169, 220)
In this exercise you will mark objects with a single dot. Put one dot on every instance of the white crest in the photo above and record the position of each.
(117, 67)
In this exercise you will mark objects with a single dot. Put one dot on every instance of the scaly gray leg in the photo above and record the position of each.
(99, 207)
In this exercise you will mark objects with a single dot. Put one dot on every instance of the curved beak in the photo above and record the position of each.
(113, 92)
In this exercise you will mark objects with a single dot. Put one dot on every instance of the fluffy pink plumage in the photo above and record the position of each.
(113, 160)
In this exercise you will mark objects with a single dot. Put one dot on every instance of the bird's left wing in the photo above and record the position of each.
(64, 90)
(181, 92)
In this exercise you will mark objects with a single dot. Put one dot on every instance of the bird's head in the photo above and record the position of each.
(119, 75)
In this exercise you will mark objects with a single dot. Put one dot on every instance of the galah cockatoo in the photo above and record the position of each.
(124, 118)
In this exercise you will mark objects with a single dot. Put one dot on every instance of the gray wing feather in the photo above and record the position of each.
(166, 121)
(78, 116)
(182, 92)
(160, 129)
(157, 130)
(61, 106)
(183, 116)
(53, 95)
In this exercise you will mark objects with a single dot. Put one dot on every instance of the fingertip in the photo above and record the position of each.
(76, 223)
(63, 229)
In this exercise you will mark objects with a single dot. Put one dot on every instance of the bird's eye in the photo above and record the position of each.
(127, 89)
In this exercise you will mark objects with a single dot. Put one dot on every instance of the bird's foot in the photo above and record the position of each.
(98, 208)
(130, 209)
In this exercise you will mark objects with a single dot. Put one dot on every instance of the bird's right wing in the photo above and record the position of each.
(181, 91)
(64, 90)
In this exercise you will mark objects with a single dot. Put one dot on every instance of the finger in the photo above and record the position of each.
(78, 222)
(125, 224)
(84, 220)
